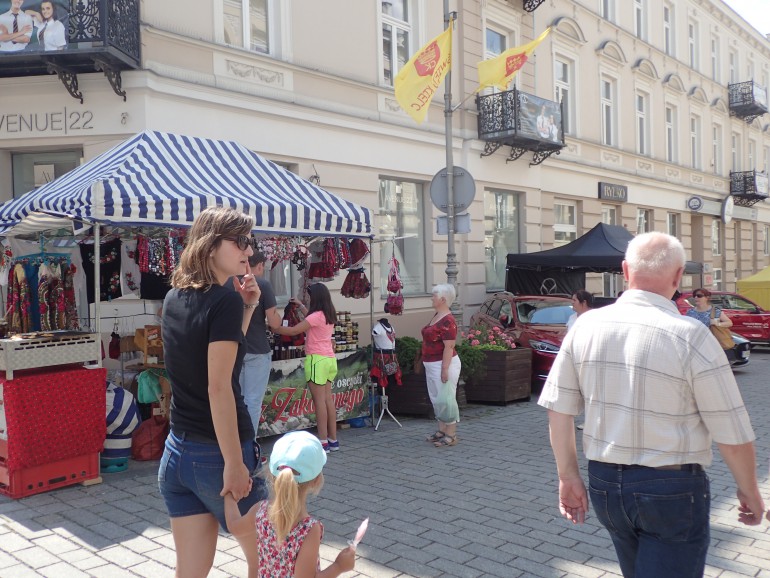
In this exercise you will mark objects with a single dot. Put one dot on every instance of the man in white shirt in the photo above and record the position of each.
(656, 390)
(15, 28)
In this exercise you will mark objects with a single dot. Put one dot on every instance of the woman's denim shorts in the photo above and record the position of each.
(190, 478)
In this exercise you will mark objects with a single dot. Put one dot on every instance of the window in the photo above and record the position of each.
(608, 10)
(644, 222)
(642, 124)
(501, 234)
(497, 41)
(668, 30)
(733, 67)
(672, 224)
(716, 149)
(564, 223)
(671, 143)
(402, 217)
(750, 70)
(766, 240)
(735, 151)
(695, 148)
(396, 37)
(609, 214)
(608, 112)
(766, 161)
(692, 43)
(640, 19)
(715, 59)
(565, 91)
(247, 24)
(752, 148)
(716, 238)
(717, 286)
(33, 170)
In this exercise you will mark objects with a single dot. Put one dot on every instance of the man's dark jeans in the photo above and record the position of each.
(657, 519)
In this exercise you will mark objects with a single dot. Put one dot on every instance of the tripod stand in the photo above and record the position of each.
(384, 408)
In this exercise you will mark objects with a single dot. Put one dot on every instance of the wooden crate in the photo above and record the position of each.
(507, 377)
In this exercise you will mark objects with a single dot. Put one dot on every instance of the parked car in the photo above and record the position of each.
(538, 322)
(750, 321)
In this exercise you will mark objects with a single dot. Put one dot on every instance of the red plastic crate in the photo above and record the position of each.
(29, 481)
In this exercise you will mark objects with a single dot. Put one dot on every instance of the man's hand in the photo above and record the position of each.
(573, 500)
(750, 508)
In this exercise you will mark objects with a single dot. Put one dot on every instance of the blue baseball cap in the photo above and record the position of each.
(300, 451)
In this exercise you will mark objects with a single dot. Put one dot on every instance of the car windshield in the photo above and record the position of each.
(537, 312)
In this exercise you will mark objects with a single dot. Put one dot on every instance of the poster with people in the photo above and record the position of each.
(540, 118)
(33, 25)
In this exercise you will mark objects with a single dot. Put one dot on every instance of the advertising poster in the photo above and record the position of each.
(288, 404)
(540, 118)
(33, 25)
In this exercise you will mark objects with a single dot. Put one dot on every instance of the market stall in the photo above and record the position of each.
(148, 190)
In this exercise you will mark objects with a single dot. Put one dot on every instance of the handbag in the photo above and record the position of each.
(723, 334)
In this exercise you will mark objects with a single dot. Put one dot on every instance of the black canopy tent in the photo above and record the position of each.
(563, 269)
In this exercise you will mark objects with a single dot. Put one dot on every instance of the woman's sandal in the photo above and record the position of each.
(435, 437)
(446, 441)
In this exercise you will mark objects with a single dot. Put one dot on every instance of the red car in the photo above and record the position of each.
(538, 322)
(750, 321)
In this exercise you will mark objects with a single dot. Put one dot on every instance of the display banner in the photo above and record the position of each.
(33, 26)
(288, 404)
(540, 118)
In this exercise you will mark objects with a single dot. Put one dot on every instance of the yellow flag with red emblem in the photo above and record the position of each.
(500, 70)
(418, 80)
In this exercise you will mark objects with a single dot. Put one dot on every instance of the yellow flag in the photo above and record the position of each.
(500, 70)
(417, 81)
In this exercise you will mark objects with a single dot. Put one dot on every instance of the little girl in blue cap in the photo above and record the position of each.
(288, 538)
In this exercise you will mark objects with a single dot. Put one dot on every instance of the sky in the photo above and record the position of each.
(755, 12)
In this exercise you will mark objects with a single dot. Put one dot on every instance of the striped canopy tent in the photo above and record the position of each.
(158, 179)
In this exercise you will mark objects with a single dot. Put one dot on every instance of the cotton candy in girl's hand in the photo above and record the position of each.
(360, 533)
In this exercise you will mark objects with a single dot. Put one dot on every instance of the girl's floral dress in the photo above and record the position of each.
(278, 561)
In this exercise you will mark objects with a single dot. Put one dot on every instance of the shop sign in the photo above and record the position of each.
(695, 203)
(728, 206)
(288, 404)
(56, 122)
(613, 192)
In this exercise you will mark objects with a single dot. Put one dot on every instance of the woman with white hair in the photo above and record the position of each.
(442, 366)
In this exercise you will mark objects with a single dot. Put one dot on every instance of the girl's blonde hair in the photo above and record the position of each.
(287, 500)
(194, 270)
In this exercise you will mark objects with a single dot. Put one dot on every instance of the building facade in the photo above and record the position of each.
(309, 85)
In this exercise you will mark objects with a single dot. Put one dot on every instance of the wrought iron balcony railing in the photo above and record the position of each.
(531, 5)
(748, 100)
(522, 121)
(89, 36)
(748, 187)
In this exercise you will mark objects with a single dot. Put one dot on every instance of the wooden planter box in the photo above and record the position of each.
(411, 398)
(507, 377)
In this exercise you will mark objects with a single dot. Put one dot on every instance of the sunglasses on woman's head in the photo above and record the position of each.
(242, 241)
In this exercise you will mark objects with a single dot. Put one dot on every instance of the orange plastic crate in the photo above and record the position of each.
(29, 481)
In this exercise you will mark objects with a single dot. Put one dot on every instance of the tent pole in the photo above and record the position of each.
(97, 290)
(372, 386)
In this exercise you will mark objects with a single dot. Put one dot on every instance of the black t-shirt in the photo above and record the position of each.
(256, 336)
(191, 320)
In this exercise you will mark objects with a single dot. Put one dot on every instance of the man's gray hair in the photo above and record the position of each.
(445, 291)
(654, 253)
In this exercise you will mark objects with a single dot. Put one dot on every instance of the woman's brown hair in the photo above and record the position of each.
(194, 269)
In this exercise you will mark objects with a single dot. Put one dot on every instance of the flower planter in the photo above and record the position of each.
(507, 377)
(411, 398)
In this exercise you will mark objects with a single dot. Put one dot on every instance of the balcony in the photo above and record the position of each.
(522, 121)
(748, 187)
(94, 36)
(531, 5)
(748, 100)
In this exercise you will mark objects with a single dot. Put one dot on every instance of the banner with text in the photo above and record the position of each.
(289, 406)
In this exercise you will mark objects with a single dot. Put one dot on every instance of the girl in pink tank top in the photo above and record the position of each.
(289, 538)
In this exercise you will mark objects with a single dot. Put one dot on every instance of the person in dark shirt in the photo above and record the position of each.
(211, 450)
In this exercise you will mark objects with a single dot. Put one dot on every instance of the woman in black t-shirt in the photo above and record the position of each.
(210, 450)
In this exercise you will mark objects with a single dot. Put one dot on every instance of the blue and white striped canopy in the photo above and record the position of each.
(165, 180)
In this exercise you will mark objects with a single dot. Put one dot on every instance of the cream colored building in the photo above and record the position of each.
(309, 85)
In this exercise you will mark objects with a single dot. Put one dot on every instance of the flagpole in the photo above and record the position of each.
(451, 256)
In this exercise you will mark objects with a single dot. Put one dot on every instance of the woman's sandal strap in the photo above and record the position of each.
(446, 441)
(436, 436)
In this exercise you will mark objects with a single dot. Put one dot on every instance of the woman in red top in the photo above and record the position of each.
(442, 366)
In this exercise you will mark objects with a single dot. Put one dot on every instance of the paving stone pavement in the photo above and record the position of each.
(486, 507)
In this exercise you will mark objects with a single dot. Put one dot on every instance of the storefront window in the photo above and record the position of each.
(33, 170)
(609, 215)
(644, 222)
(766, 240)
(716, 237)
(246, 24)
(402, 219)
(673, 224)
(501, 235)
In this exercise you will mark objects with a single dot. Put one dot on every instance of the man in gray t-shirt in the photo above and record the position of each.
(258, 360)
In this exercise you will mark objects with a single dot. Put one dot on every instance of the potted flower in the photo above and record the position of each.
(505, 371)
